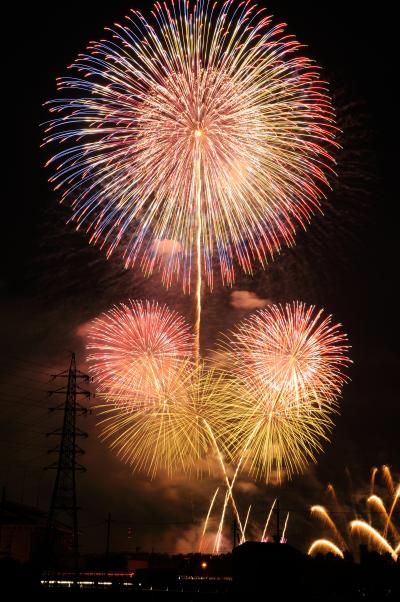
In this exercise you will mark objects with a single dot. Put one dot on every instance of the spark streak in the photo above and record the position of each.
(387, 476)
(197, 327)
(374, 470)
(389, 516)
(268, 519)
(243, 539)
(217, 543)
(283, 539)
(207, 518)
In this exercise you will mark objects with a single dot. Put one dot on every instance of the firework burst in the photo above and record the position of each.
(283, 434)
(292, 350)
(169, 432)
(287, 365)
(202, 133)
(136, 349)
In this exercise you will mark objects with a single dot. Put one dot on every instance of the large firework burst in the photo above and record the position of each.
(203, 133)
(136, 349)
(287, 363)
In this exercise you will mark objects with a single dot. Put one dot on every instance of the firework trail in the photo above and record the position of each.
(322, 513)
(283, 539)
(374, 470)
(217, 543)
(377, 502)
(386, 516)
(387, 477)
(324, 545)
(268, 519)
(202, 133)
(389, 517)
(229, 484)
(377, 540)
(243, 538)
(331, 490)
(207, 518)
(381, 543)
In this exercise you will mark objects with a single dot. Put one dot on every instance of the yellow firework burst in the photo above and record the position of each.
(269, 433)
(171, 432)
(287, 363)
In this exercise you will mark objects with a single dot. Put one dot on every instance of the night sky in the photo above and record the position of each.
(52, 283)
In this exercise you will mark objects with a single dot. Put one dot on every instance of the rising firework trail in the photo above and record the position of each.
(217, 542)
(374, 470)
(243, 539)
(207, 519)
(268, 519)
(202, 133)
(387, 476)
(283, 539)
(229, 484)
(331, 490)
(377, 503)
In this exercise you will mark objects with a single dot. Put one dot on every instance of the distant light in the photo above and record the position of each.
(204, 565)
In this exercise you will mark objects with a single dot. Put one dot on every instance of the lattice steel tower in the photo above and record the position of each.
(63, 507)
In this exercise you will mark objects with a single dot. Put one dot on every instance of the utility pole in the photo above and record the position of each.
(234, 531)
(2, 510)
(63, 505)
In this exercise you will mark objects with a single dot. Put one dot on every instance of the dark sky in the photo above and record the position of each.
(52, 282)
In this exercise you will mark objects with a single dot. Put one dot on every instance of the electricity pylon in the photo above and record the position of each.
(63, 506)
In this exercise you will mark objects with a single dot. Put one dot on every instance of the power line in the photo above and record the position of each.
(33, 363)
(17, 373)
(21, 399)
